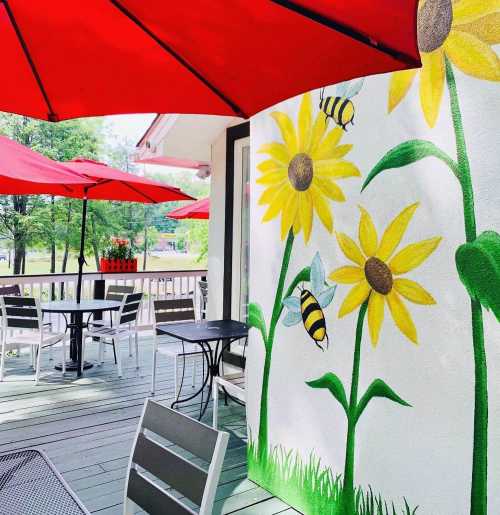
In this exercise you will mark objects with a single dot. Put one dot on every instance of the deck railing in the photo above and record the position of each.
(155, 285)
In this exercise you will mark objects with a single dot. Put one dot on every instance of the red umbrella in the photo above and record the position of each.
(67, 59)
(199, 210)
(25, 172)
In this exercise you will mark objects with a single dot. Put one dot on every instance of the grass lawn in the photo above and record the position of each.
(40, 263)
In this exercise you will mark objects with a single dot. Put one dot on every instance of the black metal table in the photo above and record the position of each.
(76, 325)
(223, 332)
(31, 485)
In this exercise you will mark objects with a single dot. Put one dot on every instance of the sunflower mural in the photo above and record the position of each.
(458, 35)
(299, 177)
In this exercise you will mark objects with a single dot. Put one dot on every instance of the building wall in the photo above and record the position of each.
(414, 356)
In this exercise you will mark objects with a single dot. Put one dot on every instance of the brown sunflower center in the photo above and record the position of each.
(300, 171)
(378, 275)
(434, 24)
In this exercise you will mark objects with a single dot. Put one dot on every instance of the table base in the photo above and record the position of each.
(72, 366)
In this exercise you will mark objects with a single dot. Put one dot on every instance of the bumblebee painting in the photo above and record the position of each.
(340, 108)
(308, 308)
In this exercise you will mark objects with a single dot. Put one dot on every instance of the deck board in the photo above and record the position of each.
(87, 426)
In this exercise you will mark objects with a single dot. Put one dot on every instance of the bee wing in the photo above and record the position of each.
(341, 89)
(292, 318)
(355, 88)
(325, 297)
(292, 303)
(317, 275)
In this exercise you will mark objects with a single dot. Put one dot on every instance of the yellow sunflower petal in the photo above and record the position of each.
(329, 189)
(413, 255)
(394, 232)
(277, 151)
(290, 213)
(487, 29)
(277, 204)
(340, 151)
(375, 315)
(322, 208)
(327, 146)
(305, 122)
(287, 129)
(472, 56)
(412, 291)
(401, 316)
(466, 11)
(355, 298)
(269, 193)
(318, 131)
(336, 169)
(398, 87)
(305, 213)
(296, 225)
(367, 233)
(273, 177)
(269, 165)
(350, 249)
(347, 275)
(431, 84)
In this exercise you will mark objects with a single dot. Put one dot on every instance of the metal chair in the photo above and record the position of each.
(22, 324)
(124, 326)
(153, 459)
(203, 286)
(172, 311)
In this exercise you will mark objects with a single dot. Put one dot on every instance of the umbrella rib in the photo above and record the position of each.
(236, 109)
(52, 116)
(348, 31)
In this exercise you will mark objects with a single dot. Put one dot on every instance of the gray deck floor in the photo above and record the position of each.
(86, 427)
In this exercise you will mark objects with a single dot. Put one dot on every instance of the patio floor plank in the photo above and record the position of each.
(87, 427)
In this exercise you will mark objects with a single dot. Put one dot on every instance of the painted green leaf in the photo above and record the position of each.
(478, 265)
(332, 383)
(407, 153)
(378, 389)
(304, 276)
(256, 319)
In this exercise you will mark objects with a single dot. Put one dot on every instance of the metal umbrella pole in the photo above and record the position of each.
(81, 257)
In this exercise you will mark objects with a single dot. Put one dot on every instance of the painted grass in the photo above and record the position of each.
(311, 488)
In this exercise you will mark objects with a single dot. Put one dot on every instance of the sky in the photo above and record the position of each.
(129, 126)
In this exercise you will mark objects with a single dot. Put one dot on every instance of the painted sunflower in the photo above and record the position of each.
(462, 31)
(377, 271)
(301, 173)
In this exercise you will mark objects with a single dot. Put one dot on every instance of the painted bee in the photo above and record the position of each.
(309, 307)
(340, 108)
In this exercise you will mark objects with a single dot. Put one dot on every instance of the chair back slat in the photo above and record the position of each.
(129, 309)
(13, 290)
(153, 499)
(21, 312)
(174, 470)
(174, 310)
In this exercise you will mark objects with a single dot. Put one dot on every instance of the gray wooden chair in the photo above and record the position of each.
(155, 458)
(22, 325)
(173, 311)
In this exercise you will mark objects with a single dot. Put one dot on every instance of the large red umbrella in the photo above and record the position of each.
(199, 210)
(67, 58)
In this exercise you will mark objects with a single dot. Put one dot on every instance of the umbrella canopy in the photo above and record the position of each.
(109, 183)
(25, 172)
(67, 59)
(199, 210)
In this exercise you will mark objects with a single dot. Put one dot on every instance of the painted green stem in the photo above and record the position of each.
(277, 309)
(479, 493)
(348, 489)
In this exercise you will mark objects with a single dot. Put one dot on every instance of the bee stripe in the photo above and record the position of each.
(334, 106)
(327, 103)
(341, 110)
(312, 307)
(318, 330)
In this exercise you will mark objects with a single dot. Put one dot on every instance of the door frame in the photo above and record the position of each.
(232, 135)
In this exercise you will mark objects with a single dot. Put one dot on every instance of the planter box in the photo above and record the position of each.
(118, 265)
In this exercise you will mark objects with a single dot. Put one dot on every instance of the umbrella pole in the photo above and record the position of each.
(81, 257)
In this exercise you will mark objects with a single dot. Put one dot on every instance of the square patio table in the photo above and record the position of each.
(223, 332)
(31, 485)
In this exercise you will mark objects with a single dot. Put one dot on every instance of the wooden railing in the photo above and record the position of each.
(155, 285)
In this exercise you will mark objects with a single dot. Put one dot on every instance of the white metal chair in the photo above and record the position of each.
(124, 326)
(174, 311)
(22, 325)
(155, 459)
(203, 286)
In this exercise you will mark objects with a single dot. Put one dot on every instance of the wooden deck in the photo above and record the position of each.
(86, 427)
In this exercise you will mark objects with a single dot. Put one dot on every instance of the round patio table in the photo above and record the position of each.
(76, 325)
